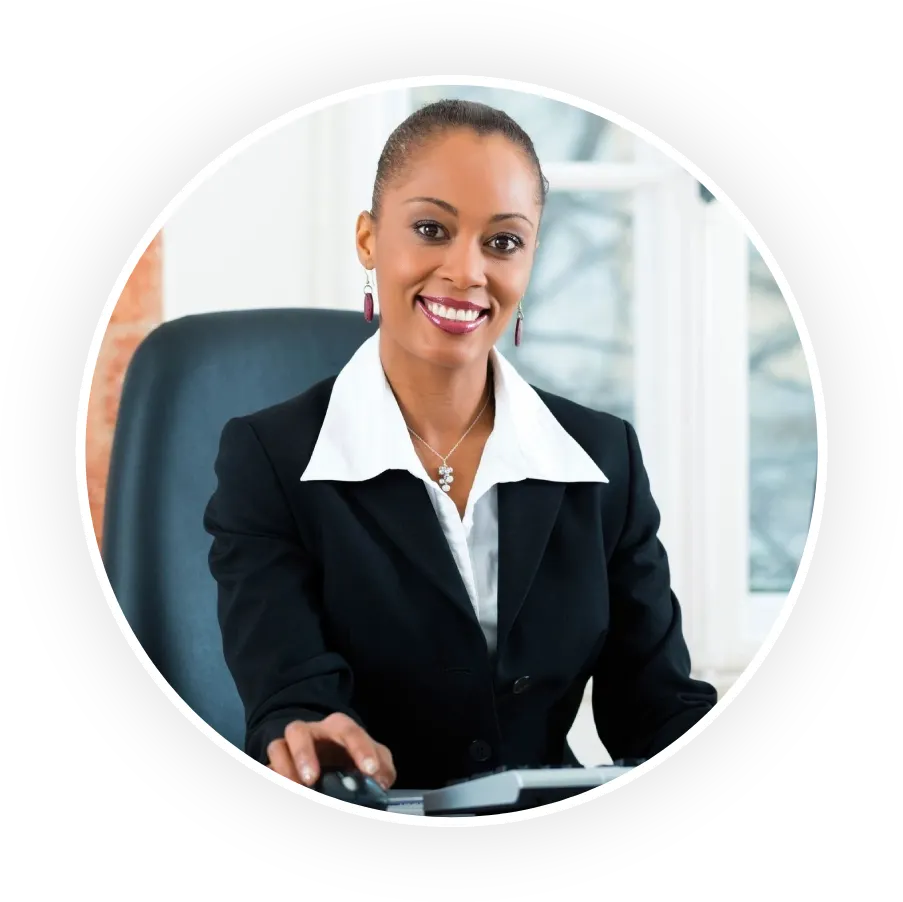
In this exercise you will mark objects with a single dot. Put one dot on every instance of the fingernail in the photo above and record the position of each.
(370, 766)
(307, 774)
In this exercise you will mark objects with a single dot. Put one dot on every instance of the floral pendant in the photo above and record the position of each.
(445, 477)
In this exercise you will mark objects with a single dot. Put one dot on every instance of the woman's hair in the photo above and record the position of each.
(442, 117)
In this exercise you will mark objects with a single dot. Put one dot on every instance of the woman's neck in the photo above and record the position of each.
(438, 403)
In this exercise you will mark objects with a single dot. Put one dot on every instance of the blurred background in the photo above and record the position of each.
(647, 300)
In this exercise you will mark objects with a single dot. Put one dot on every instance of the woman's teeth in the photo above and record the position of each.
(467, 316)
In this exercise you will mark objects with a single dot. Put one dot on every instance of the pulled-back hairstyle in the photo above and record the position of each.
(439, 118)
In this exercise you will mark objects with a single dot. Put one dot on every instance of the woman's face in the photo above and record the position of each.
(453, 246)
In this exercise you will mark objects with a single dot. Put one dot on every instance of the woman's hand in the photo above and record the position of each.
(336, 741)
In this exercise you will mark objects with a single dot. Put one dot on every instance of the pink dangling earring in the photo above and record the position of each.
(368, 300)
(519, 325)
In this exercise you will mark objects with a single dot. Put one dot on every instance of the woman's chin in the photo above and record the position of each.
(450, 358)
(438, 348)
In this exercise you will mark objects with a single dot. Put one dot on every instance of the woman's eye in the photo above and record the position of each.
(430, 230)
(506, 244)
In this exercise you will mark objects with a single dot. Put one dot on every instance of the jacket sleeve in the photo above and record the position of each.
(268, 597)
(643, 696)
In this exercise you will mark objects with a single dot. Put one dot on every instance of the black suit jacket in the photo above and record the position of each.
(344, 596)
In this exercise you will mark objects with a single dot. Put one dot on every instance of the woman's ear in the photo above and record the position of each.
(365, 239)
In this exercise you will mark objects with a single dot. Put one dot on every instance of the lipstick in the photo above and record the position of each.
(443, 312)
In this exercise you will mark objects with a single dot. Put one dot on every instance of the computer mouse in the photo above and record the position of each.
(354, 787)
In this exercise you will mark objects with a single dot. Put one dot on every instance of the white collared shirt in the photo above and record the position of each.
(364, 434)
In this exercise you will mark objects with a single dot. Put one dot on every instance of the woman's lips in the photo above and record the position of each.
(452, 326)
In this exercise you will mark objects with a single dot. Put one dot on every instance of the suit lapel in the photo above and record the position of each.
(400, 505)
(398, 502)
(527, 513)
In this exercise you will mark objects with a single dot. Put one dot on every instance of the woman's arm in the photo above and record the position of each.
(268, 606)
(643, 696)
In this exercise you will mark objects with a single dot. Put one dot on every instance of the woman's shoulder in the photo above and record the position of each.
(585, 424)
(609, 440)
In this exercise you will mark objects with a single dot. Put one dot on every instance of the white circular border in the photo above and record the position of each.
(363, 91)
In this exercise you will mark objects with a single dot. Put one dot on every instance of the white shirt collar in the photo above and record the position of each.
(364, 434)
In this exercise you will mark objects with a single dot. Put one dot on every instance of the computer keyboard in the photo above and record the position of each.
(517, 789)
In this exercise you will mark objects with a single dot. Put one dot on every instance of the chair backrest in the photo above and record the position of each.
(186, 379)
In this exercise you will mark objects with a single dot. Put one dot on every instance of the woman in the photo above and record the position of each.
(422, 561)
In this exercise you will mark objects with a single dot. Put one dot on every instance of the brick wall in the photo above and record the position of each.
(138, 311)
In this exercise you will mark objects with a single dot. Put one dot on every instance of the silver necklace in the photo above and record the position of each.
(446, 473)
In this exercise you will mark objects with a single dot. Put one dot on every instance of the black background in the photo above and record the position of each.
(137, 755)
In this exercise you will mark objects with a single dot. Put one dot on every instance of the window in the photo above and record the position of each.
(578, 306)
(782, 436)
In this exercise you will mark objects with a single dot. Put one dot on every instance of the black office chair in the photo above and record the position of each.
(184, 382)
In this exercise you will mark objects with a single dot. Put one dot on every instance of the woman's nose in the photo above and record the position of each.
(464, 264)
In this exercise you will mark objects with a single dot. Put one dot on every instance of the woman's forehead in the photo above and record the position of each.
(472, 172)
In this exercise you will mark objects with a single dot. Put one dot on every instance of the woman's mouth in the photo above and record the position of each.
(454, 317)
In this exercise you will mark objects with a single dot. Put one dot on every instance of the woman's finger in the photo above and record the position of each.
(387, 766)
(281, 760)
(300, 741)
(354, 739)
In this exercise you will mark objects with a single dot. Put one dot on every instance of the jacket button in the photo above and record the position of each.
(480, 750)
(521, 684)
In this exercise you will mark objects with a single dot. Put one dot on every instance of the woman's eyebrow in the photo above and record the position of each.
(445, 205)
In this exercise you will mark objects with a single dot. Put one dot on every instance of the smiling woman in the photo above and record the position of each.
(463, 551)
(460, 229)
